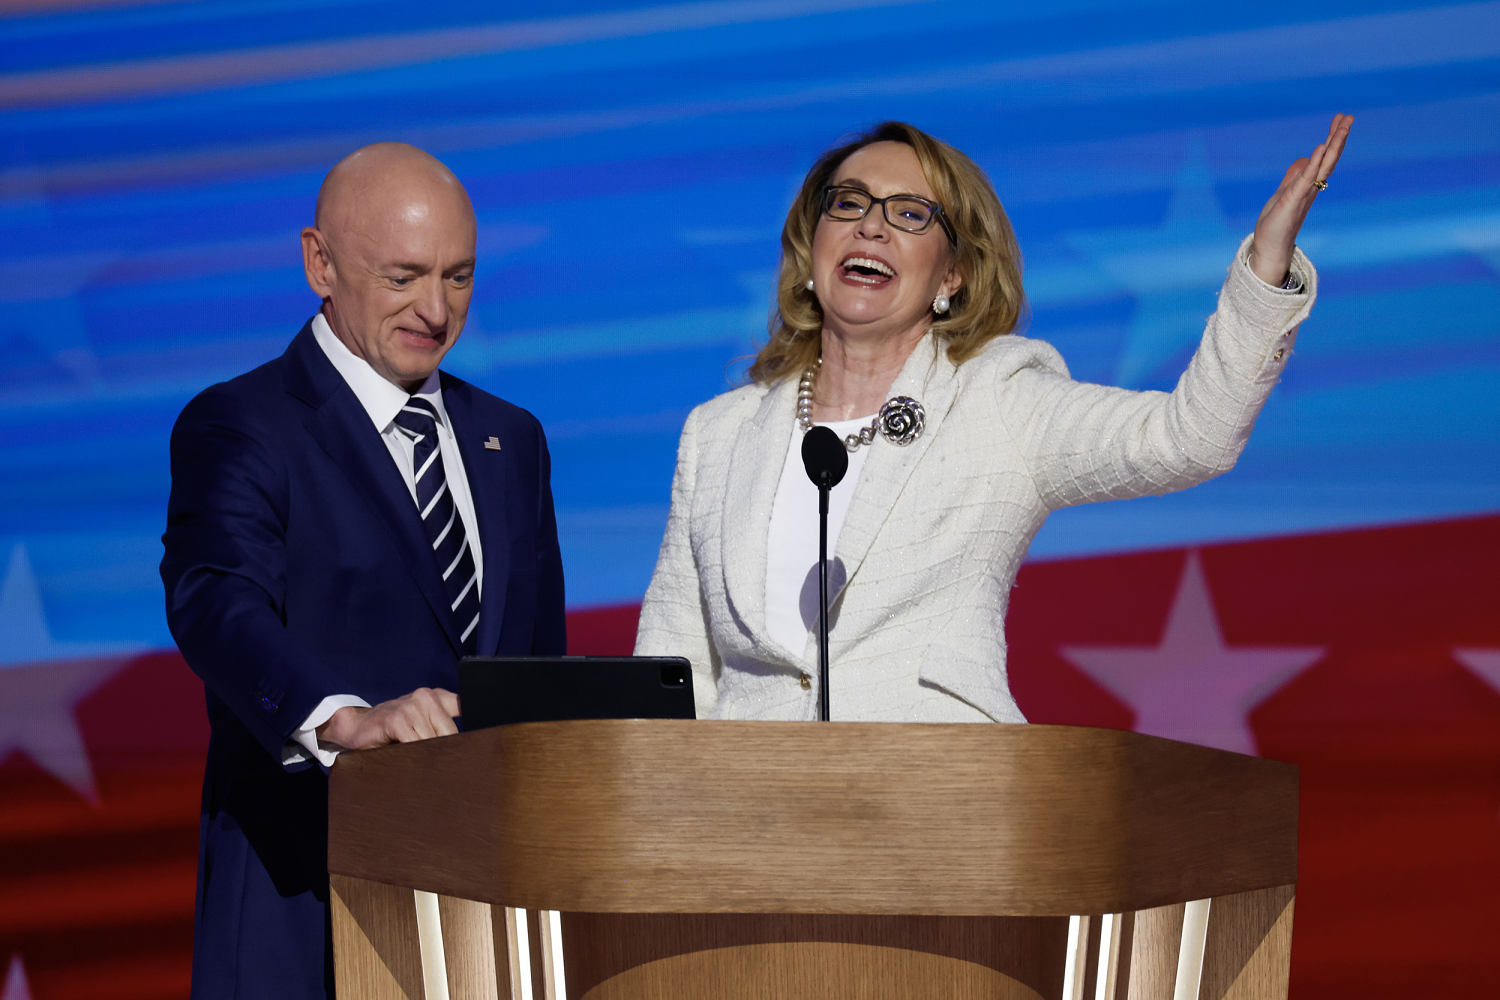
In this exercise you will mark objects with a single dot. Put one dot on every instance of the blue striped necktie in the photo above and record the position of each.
(445, 529)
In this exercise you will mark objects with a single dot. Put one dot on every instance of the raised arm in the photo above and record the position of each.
(1090, 442)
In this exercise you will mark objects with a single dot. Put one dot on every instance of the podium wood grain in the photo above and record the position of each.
(732, 856)
(651, 817)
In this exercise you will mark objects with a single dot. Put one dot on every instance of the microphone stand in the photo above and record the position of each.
(823, 492)
(826, 460)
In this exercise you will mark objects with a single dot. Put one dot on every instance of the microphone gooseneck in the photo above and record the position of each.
(826, 460)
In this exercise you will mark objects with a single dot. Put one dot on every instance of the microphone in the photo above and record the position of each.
(826, 460)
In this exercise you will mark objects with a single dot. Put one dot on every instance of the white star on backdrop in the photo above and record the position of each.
(1172, 270)
(1192, 686)
(1483, 662)
(15, 981)
(40, 290)
(1481, 237)
(41, 680)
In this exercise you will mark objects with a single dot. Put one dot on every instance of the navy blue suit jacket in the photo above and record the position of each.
(296, 567)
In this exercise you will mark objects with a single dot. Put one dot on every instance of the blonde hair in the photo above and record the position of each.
(989, 304)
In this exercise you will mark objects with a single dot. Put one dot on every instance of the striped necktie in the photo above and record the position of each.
(445, 529)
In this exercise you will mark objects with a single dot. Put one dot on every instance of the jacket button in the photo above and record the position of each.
(1279, 355)
(806, 682)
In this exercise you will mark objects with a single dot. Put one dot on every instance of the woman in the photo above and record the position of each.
(900, 281)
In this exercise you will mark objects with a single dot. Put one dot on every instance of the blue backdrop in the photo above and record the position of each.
(631, 167)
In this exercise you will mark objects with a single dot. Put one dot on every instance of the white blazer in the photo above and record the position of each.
(936, 531)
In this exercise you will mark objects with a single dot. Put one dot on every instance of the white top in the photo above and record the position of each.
(792, 542)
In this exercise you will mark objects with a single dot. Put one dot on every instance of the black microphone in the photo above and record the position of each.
(824, 457)
(826, 461)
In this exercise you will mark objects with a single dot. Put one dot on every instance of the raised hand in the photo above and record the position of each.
(421, 715)
(1280, 221)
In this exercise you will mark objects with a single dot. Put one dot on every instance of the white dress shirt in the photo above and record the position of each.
(382, 400)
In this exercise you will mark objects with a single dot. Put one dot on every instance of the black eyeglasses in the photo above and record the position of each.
(904, 211)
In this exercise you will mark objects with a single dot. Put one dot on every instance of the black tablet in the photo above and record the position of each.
(495, 690)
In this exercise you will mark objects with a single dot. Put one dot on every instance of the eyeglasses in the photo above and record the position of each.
(904, 211)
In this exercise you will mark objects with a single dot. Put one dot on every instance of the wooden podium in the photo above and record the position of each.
(762, 859)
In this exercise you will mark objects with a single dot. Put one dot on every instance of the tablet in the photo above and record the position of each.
(496, 690)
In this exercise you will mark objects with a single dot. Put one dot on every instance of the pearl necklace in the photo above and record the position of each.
(900, 421)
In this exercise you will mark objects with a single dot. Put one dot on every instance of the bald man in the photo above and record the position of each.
(326, 566)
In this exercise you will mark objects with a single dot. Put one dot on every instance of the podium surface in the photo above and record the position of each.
(797, 859)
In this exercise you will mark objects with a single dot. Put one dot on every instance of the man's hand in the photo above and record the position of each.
(421, 715)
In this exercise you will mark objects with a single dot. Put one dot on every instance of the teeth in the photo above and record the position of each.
(873, 265)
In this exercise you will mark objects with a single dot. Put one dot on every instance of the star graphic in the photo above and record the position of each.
(42, 679)
(1483, 662)
(48, 337)
(1172, 270)
(1480, 235)
(15, 981)
(1192, 686)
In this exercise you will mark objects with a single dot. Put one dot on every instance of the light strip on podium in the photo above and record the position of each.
(516, 916)
(552, 954)
(1190, 954)
(1109, 956)
(430, 945)
(1078, 948)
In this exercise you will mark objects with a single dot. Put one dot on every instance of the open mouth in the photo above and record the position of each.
(867, 270)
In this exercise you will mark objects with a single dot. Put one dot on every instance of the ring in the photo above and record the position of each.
(1321, 185)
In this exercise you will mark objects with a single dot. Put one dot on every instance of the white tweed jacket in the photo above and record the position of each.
(936, 531)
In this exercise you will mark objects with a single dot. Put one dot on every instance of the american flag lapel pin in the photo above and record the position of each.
(492, 443)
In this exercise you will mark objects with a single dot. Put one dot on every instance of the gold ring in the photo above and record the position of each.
(1321, 185)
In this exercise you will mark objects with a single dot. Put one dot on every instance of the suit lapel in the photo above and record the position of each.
(487, 474)
(931, 379)
(342, 428)
(755, 463)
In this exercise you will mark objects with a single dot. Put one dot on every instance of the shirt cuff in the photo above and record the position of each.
(303, 746)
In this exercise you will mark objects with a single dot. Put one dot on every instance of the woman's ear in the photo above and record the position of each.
(952, 282)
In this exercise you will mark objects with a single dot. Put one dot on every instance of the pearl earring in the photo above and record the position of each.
(809, 284)
(940, 304)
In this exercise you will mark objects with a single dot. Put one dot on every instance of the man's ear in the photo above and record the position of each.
(316, 263)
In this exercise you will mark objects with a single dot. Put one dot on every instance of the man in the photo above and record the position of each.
(326, 566)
